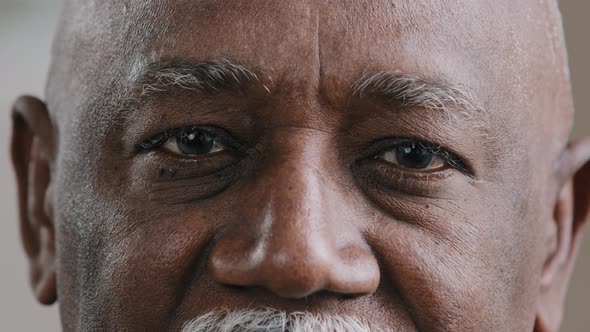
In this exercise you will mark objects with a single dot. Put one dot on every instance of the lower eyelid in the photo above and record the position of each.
(383, 180)
(191, 161)
(397, 173)
(159, 167)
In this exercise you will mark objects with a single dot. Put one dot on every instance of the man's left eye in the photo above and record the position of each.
(192, 142)
(413, 155)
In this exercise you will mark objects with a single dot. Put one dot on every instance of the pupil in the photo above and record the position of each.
(410, 155)
(195, 142)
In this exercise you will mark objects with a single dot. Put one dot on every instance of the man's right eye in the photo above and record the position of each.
(192, 142)
(187, 142)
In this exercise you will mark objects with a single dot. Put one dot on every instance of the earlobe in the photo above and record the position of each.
(32, 154)
(571, 211)
(43, 274)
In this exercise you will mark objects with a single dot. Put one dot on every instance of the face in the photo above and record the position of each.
(399, 162)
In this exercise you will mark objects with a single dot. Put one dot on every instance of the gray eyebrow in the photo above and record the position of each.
(397, 88)
(207, 76)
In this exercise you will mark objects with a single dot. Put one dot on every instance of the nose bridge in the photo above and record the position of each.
(299, 242)
(299, 202)
(300, 220)
(300, 198)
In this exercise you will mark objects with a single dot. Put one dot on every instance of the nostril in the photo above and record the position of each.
(327, 294)
(351, 296)
(331, 294)
(236, 288)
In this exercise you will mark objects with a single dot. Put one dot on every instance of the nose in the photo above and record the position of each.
(295, 236)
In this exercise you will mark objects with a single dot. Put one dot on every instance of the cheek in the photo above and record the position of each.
(126, 265)
(149, 269)
(460, 268)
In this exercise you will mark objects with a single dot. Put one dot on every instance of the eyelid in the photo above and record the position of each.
(162, 138)
(451, 159)
(398, 174)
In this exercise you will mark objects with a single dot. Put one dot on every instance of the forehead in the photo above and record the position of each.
(499, 50)
(336, 40)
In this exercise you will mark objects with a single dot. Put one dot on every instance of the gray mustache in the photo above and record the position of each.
(272, 320)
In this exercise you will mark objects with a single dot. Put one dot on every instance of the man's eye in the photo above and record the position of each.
(192, 142)
(414, 155)
(188, 141)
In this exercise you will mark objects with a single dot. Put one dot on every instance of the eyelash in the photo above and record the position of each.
(159, 140)
(436, 149)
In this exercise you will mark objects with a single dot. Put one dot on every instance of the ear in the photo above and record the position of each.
(571, 211)
(32, 153)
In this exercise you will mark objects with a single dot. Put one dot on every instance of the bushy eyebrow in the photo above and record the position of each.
(399, 89)
(390, 87)
(207, 76)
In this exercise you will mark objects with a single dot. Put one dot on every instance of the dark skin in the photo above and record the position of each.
(300, 205)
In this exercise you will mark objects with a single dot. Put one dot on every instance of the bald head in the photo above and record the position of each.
(400, 162)
(510, 56)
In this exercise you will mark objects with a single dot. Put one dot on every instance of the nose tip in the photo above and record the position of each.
(295, 271)
(300, 273)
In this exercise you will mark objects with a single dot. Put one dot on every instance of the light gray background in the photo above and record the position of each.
(26, 28)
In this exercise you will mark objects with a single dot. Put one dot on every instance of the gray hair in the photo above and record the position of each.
(205, 76)
(412, 91)
(272, 320)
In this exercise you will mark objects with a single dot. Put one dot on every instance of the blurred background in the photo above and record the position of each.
(26, 29)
